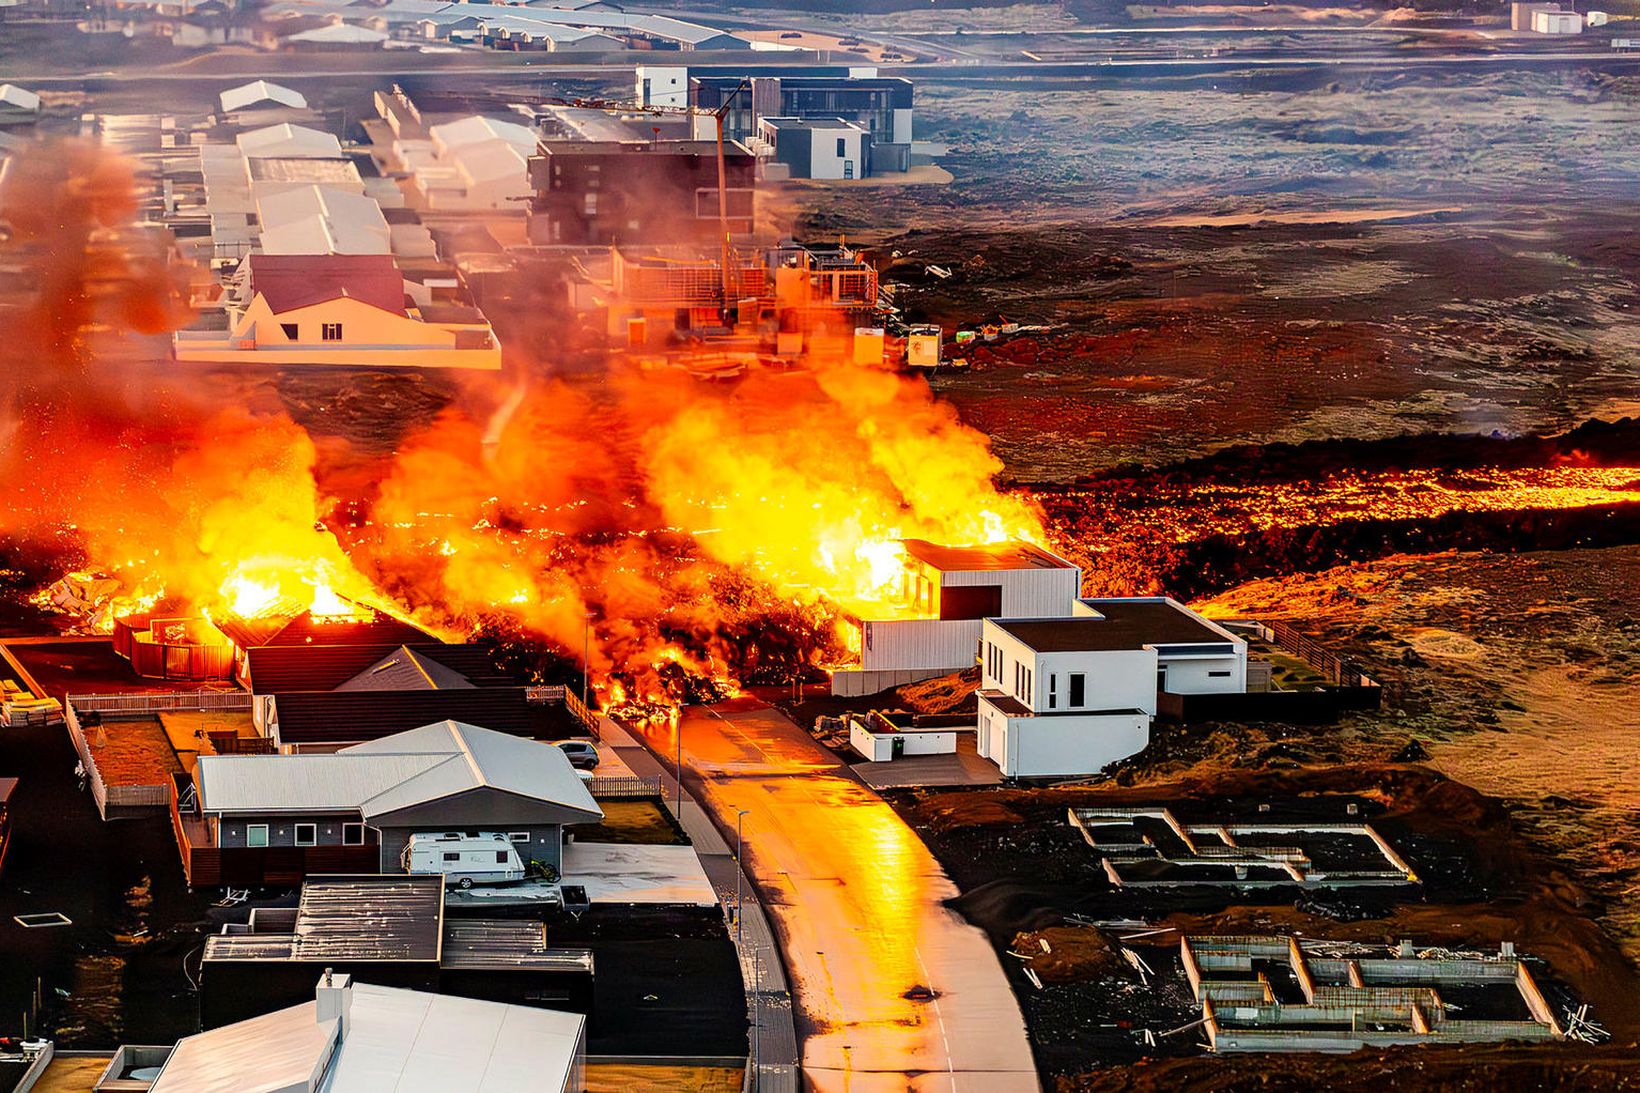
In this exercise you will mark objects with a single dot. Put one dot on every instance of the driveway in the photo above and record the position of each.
(893, 990)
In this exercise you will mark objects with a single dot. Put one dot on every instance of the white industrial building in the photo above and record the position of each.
(1069, 695)
(287, 141)
(945, 592)
(316, 219)
(1557, 22)
(361, 1038)
(260, 94)
(474, 163)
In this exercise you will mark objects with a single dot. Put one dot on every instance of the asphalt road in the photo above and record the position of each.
(894, 991)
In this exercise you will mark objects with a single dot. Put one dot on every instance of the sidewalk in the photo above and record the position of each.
(768, 994)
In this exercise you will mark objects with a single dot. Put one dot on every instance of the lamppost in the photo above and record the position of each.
(586, 653)
(739, 869)
(677, 730)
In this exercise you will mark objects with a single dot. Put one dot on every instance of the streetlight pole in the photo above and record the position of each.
(586, 653)
(677, 730)
(739, 869)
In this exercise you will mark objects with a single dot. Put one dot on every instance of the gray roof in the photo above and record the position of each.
(395, 772)
(404, 669)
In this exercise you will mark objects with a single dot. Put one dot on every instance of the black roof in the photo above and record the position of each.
(274, 669)
(1014, 554)
(306, 628)
(352, 717)
(1123, 624)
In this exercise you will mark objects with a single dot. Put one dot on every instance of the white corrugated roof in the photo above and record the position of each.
(490, 160)
(289, 141)
(302, 783)
(316, 219)
(19, 98)
(400, 1040)
(260, 91)
(337, 33)
(478, 129)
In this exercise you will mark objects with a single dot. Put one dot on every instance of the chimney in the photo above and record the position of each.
(333, 1001)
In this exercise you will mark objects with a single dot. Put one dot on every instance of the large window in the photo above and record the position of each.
(307, 834)
(353, 834)
(1079, 690)
(256, 834)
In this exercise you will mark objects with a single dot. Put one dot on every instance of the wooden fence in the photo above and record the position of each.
(616, 786)
(122, 800)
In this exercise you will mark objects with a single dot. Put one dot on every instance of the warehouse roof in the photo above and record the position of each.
(287, 141)
(477, 129)
(261, 91)
(1119, 624)
(403, 1040)
(314, 219)
(1014, 554)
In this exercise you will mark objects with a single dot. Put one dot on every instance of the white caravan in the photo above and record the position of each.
(465, 860)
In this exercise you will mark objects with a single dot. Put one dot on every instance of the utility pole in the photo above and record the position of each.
(677, 730)
(739, 869)
(586, 654)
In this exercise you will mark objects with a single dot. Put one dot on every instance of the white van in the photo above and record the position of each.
(465, 860)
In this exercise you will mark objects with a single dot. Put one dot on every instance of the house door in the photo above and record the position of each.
(848, 168)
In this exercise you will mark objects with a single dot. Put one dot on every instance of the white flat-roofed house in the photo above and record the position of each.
(361, 1038)
(1071, 695)
(339, 310)
(947, 591)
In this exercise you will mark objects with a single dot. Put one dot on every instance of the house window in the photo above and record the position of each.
(353, 834)
(590, 204)
(501, 857)
(1161, 678)
(256, 834)
(1079, 690)
(519, 836)
(842, 147)
(1029, 696)
(330, 332)
(1222, 674)
(292, 331)
(1053, 691)
(307, 834)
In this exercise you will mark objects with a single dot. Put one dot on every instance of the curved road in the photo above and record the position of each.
(894, 991)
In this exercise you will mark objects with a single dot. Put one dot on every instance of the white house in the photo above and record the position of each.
(1071, 695)
(338, 310)
(661, 85)
(361, 1038)
(945, 592)
(818, 148)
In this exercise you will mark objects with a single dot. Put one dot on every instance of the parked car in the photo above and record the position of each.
(465, 860)
(582, 756)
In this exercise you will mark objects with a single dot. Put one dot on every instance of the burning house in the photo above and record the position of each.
(932, 624)
(339, 310)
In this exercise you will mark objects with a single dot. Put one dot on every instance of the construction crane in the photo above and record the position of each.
(717, 116)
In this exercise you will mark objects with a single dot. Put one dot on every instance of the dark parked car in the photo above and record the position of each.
(582, 756)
